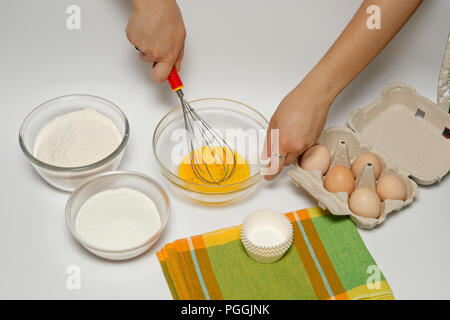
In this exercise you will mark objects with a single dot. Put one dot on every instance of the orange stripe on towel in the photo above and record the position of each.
(206, 268)
(324, 260)
(188, 270)
(174, 267)
(163, 261)
(304, 254)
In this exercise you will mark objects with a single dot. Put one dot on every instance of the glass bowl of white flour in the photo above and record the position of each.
(71, 138)
(118, 215)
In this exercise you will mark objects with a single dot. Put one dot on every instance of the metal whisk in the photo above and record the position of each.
(206, 147)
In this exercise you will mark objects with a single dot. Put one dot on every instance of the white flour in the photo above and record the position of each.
(77, 139)
(117, 219)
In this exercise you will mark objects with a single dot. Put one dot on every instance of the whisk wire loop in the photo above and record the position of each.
(203, 140)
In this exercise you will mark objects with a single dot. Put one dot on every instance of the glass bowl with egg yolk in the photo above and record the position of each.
(224, 115)
(214, 165)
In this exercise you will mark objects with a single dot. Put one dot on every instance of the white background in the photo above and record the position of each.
(253, 51)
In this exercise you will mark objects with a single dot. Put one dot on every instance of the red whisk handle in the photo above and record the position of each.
(174, 80)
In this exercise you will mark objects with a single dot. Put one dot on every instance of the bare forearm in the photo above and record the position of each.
(358, 45)
(143, 4)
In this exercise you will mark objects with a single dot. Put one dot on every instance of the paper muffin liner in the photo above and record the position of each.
(266, 218)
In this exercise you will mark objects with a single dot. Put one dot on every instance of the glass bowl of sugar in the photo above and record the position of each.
(118, 215)
(71, 138)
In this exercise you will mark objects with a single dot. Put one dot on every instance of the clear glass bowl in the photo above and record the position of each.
(115, 180)
(244, 129)
(70, 178)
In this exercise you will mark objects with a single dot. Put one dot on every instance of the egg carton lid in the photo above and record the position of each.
(443, 94)
(408, 129)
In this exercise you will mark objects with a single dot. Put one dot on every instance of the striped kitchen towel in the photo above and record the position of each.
(328, 260)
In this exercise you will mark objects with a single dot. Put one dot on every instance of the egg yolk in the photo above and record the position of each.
(211, 164)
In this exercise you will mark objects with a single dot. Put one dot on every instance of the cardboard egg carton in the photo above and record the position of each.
(405, 130)
(444, 80)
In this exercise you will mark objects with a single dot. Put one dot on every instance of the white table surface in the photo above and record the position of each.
(252, 51)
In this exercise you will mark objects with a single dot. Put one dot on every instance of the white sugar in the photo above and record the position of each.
(118, 219)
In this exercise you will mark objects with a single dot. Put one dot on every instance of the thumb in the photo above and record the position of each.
(160, 71)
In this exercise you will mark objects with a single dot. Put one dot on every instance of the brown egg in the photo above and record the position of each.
(339, 179)
(365, 202)
(316, 158)
(391, 186)
(361, 161)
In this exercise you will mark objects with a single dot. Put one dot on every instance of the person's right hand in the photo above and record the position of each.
(156, 28)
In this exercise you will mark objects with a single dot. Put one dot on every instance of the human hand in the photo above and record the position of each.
(157, 29)
(301, 115)
(300, 118)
